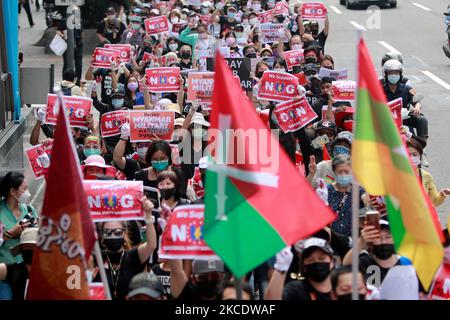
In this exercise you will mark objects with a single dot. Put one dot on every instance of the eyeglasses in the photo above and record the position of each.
(118, 232)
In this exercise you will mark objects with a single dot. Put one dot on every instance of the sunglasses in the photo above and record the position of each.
(118, 232)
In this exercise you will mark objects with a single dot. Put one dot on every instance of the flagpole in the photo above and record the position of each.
(101, 269)
(355, 192)
(238, 286)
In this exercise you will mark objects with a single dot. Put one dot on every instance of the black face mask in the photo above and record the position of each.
(349, 297)
(317, 271)
(185, 55)
(310, 60)
(113, 244)
(280, 19)
(324, 96)
(166, 194)
(259, 74)
(314, 32)
(208, 289)
(27, 256)
(383, 251)
(251, 55)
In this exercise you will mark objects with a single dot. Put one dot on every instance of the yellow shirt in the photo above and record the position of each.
(436, 197)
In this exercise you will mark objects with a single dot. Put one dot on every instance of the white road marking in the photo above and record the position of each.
(357, 25)
(389, 47)
(421, 6)
(336, 10)
(436, 79)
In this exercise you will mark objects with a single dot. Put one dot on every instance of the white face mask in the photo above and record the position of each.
(174, 19)
(416, 161)
(296, 46)
(279, 69)
(253, 21)
(24, 197)
(173, 47)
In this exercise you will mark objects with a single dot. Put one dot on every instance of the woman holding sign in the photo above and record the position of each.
(121, 262)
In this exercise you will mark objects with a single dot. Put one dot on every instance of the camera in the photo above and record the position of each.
(29, 219)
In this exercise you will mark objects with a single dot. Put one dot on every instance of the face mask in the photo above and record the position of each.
(231, 15)
(314, 32)
(117, 103)
(166, 194)
(230, 41)
(416, 161)
(257, 7)
(296, 46)
(160, 165)
(253, 21)
(317, 271)
(173, 47)
(185, 55)
(344, 180)
(245, 22)
(141, 152)
(280, 19)
(135, 26)
(91, 152)
(132, 86)
(383, 251)
(348, 296)
(113, 244)
(203, 35)
(218, 5)
(207, 289)
(393, 78)
(27, 256)
(24, 197)
(310, 60)
(198, 133)
(340, 150)
(174, 20)
(279, 69)
(251, 55)
(205, 10)
(239, 35)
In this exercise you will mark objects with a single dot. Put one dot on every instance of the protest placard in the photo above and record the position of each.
(103, 57)
(183, 236)
(293, 58)
(111, 122)
(265, 16)
(111, 200)
(440, 289)
(149, 57)
(97, 291)
(200, 87)
(151, 124)
(124, 49)
(335, 74)
(78, 108)
(165, 79)
(396, 109)
(294, 114)
(314, 11)
(278, 86)
(344, 90)
(272, 32)
(280, 8)
(176, 27)
(39, 158)
(156, 25)
(240, 67)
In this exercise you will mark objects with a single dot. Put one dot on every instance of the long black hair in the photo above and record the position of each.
(12, 180)
(158, 145)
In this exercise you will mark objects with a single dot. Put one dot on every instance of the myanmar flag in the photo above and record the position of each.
(381, 164)
(256, 202)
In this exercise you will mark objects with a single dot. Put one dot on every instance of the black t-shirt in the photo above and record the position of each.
(106, 84)
(303, 290)
(16, 277)
(142, 175)
(185, 66)
(129, 267)
(365, 261)
(111, 30)
(131, 167)
(189, 293)
(322, 38)
(340, 244)
(163, 276)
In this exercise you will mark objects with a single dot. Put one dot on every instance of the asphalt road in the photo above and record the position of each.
(415, 29)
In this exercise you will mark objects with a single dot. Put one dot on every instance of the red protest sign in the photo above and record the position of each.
(314, 11)
(378, 204)
(39, 158)
(344, 90)
(111, 122)
(97, 291)
(165, 5)
(293, 115)
(78, 108)
(278, 86)
(149, 125)
(200, 86)
(176, 27)
(165, 79)
(183, 236)
(103, 57)
(114, 200)
(441, 286)
(396, 109)
(204, 18)
(149, 57)
(124, 49)
(293, 58)
(265, 17)
(280, 8)
(156, 25)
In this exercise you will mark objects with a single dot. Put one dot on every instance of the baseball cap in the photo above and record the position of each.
(205, 266)
(119, 91)
(307, 246)
(203, 163)
(155, 12)
(346, 136)
(28, 236)
(146, 283)
(206, 4)
(384, 224)
(324, 124)
(310, 67)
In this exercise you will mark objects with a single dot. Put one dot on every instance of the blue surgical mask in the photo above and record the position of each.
(117, 103)
(340, 150)
(393, 78)
(160, 165)
(344, 179)
(231, 15)
(91, 151)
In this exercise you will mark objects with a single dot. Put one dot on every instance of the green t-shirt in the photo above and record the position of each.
(8, 219)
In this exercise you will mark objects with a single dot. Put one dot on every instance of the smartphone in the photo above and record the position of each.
(373, 219)
(153, 195)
